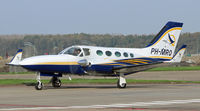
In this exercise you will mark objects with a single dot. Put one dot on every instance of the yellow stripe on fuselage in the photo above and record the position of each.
(142, 60)
(160, 57)
(133, 61)
(137, 61)
(114, 64)
(57, 63)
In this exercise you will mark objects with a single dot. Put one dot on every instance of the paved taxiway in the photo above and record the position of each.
(142, 97)
(93, 97)
(154, 75)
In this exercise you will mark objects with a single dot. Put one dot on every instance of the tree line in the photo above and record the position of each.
(52, 44)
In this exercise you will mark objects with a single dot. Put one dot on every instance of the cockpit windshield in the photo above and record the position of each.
(72, 51)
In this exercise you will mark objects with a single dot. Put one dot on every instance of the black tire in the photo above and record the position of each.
(56, 82)
(121, 86)
(39, 86)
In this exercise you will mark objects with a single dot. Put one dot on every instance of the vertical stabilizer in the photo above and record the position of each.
(17, 58)
(179, 54)
(164, 43)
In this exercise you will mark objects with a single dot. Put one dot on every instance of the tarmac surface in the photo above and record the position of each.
(154, 75)
(96, 97)
(142, 97)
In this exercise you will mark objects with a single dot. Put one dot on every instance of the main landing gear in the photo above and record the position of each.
(121, 83)
(56, 82)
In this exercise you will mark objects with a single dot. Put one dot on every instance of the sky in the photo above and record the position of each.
(96, 16)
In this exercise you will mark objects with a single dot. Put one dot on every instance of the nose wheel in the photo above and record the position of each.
(39, 85)
(56, 82)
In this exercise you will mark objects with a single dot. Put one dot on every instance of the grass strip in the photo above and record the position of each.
(182, 68)
(17, 73)
(94, 81)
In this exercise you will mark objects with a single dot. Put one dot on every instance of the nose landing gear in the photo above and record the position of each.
(39, 85)
(56, 82)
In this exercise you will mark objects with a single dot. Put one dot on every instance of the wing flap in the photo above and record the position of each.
(135, 68)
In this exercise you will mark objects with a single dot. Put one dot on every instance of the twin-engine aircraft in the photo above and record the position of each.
(106, 61)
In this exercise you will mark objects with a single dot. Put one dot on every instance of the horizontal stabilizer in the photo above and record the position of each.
(179, 54)
(17, 58)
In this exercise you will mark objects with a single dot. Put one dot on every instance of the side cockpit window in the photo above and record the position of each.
(86, 51)
(81, 55)
(73, 51)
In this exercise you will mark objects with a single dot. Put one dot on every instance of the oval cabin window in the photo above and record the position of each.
(131, 54)
(125, 54)
(118, 54)
(99, 52)
(108, 53)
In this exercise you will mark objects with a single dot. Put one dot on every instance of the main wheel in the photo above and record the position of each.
(121, 85)
(56, 82)
(39, 86)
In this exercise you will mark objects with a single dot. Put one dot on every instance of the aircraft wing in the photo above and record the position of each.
(136, 65)
(141, 64)
(179, 54)
(133, 69)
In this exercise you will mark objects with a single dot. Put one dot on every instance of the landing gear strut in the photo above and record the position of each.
(39, 84)
(121, 83)
(56, 82)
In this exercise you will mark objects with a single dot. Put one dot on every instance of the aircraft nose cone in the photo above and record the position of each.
(23, 62)
(46, 59)
(46, 63)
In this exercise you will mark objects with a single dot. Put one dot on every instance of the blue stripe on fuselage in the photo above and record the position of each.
(77, 69)
(55, 68)
(74, 69)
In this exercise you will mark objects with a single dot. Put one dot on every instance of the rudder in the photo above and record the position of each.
(164, 43)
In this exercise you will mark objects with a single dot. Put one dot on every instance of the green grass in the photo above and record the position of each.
(94, 81)
(182, 68)
(15, 81)
(17, 72)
